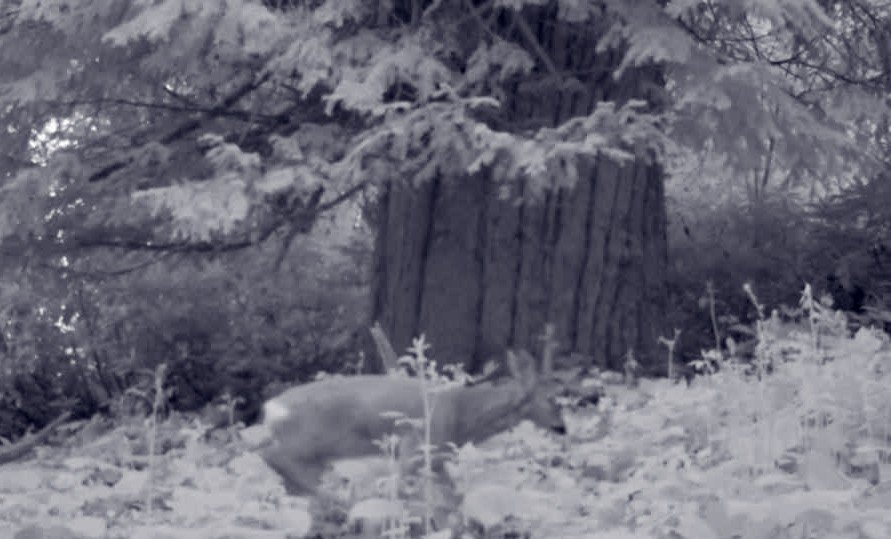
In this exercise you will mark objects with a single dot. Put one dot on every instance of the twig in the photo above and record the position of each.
(29, 441)
(384, 348)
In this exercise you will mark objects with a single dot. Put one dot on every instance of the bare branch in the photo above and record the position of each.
(28, 442)
(189, 125)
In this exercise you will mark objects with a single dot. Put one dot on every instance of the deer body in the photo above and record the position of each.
(314, 424)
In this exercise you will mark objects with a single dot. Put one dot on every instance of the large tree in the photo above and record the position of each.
(553, 226)
(516, 147)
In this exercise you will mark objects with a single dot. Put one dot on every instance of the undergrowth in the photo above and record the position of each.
(787, 436)
(812, 393)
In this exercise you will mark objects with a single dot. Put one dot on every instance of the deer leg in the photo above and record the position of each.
(301, 474)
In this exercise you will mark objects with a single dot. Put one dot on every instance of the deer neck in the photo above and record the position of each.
(485, 410)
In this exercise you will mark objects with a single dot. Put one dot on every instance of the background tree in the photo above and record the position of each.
(517, 149)
(788, 207)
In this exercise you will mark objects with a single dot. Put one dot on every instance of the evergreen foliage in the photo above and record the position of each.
(137, 132)
(184, 218)
(189, 116)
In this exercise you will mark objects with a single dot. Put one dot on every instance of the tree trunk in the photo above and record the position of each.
(478, 274)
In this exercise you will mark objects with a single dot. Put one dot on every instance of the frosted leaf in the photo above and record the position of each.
(229, 157)
(502, 58)
(154, 22)
(249, 27)
(338, 12)
(285, 178)
(280, 179)
(200, 209)
(576, 11)
(519, 4)
(286, 147)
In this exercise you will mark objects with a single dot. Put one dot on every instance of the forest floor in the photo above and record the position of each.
(802, 452)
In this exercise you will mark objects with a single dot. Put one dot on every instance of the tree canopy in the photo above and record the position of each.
(138, 132)
(183, 125)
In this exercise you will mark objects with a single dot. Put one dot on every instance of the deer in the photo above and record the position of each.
(315, 424)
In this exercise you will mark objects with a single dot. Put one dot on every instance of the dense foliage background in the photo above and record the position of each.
(194, 183)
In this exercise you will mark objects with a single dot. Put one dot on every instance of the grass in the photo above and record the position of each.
(803, 420)
(789, 440)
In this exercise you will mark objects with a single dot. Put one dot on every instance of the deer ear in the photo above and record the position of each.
(513, 364)
(522, 366)
(536, 368)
